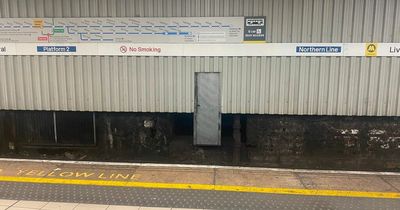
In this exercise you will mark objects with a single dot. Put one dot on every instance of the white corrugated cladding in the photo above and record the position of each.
(272, 85)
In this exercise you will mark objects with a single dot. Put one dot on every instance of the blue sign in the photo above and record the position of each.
(318, 49)
(60, 49)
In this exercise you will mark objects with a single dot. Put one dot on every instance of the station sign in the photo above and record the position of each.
(254, 29)
(7, 48)
(155, 49)
(318, 49)
(371, 49)
(392, 49)
(56, 49)
(382, 49)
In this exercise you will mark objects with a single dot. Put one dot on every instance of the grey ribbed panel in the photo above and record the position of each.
(287, 20)
(273, 85)
(97, 83)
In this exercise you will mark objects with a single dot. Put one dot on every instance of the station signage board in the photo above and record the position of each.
(318, 49)
(254, 29)
(182, 30)
(392, 49)
(155, 49)
(371, 49)
(382, 49)
(56, 49)
(7, 49)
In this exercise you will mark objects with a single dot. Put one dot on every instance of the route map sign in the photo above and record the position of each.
(127, 30)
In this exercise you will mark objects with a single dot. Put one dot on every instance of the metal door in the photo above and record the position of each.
(207, 110)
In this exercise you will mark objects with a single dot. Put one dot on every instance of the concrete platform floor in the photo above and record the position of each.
(43, 205)
(203, 182)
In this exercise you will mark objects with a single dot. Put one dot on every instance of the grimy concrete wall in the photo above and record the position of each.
(324, 142)
(2, 134)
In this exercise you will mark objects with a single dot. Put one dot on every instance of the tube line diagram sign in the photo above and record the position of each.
(137, 30)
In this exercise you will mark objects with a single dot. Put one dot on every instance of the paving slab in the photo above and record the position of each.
(94, 172)
(4, 202)
(257, 178)
(180, 209)
(59, 206)
(97, 166)
(68, 171)
(351, 182)
(26, 169)
(393, 181)
(5, 164)
(175, 175)
(82, 206)
(73, 206)
(116, 207)
(19, 208)
(30, 204)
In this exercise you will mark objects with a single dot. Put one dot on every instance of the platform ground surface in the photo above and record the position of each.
(196, 187)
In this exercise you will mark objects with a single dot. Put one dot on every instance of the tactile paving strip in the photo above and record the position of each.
(184, 198)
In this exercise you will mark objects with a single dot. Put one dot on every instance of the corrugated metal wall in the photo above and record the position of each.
(274, 85)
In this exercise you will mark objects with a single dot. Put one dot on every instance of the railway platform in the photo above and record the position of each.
(42, 184)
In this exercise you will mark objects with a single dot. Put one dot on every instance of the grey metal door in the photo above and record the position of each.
(207, 113)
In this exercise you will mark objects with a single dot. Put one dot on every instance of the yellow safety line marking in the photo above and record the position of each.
(287, 191)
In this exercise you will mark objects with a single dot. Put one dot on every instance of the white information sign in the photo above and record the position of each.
(388, 49)
(154, 49)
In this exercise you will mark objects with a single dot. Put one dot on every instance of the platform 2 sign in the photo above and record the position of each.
(61, 49)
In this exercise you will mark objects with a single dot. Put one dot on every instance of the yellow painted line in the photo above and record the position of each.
(287, 191)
